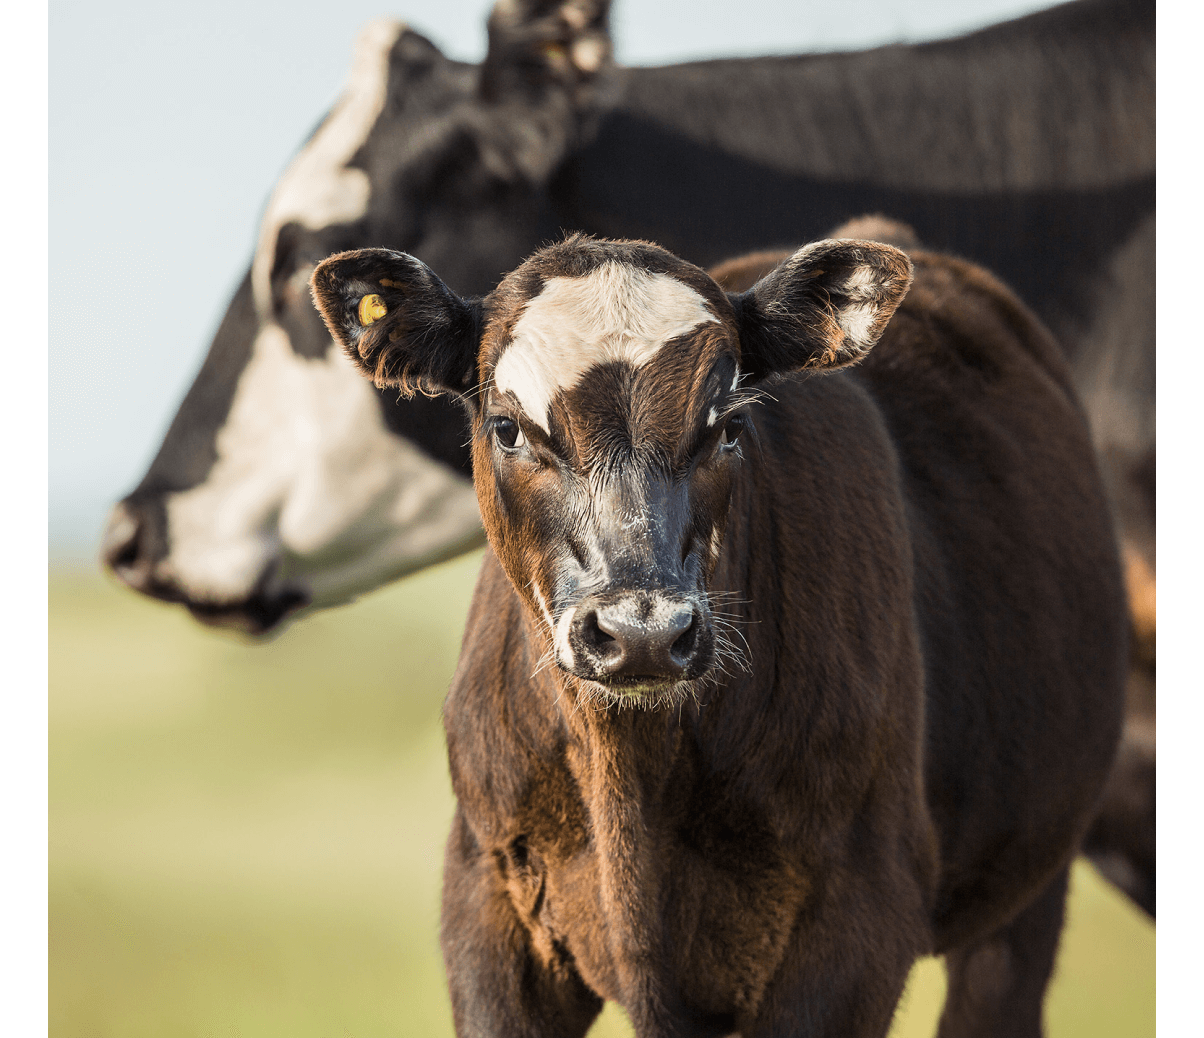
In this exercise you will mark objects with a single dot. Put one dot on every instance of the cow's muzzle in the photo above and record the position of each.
(638, 642)
(135, 548)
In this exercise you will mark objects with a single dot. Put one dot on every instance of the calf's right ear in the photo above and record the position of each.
(399, 324)
(820, 309)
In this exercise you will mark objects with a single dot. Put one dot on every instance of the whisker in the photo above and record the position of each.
(727, 649)
(545, 661)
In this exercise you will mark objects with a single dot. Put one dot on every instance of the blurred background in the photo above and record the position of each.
(246, 839)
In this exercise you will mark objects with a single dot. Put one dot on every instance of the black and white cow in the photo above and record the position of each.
(286, 482)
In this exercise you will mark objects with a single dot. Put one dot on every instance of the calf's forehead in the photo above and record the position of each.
(617, 312)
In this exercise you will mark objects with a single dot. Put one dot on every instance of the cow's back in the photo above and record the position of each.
(1018, 590)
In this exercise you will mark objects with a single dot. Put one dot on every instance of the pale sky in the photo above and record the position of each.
(169, 124)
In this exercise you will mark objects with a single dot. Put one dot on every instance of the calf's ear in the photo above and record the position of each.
(822, 308)
(400, 325)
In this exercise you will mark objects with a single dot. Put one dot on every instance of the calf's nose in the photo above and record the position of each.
(628, 639)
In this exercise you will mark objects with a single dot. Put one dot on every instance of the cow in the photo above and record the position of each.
(795, 655)
(286, 484)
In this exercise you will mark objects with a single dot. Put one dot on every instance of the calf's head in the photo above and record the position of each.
(612, 388)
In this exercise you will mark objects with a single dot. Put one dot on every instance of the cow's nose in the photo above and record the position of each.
(631, 639)
(126, 547)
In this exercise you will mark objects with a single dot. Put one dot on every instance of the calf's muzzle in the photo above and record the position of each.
(639, 638)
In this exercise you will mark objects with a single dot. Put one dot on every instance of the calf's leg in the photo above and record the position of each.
(498, 985)
(997, 986)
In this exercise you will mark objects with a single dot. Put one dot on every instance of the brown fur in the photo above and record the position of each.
(918, 553)
(1122, 842)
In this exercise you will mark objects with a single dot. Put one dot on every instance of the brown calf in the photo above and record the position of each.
(771, 684)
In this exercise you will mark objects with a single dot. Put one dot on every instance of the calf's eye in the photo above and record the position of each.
(507, 433)
(732, 429)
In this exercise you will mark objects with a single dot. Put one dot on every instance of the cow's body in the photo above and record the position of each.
(918, 555)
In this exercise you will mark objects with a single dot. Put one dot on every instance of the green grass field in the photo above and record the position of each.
(246, 840)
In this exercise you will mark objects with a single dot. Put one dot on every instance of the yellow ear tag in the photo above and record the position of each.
(372, 309)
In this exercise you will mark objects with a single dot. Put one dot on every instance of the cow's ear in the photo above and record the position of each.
(535, 44)
(401, 325)
(822, 308)
(544, 80)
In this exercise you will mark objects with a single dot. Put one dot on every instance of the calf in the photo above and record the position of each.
(771, 683)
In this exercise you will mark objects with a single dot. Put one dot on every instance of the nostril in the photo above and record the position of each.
(641, 637)
(594, 633)
(129, 546)
(121, 557)
(683, 648)
(119, 549)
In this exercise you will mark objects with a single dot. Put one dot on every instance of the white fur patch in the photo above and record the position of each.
(860, 283)
(318, 189)
(856, 318)
(543, 606)
(564, 649)
(308, 479)
(857, 322)
(614, 313)
(589, 53)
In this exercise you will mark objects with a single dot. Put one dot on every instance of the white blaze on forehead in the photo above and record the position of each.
(318, 189)
(614, 313)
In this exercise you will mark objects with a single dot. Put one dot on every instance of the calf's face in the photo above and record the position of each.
(613, 393)
(607, 438)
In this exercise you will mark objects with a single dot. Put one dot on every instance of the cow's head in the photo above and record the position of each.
(286, 480)
(612, 390)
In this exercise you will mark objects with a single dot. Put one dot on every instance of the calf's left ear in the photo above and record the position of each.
(821, 308)
(399, 324)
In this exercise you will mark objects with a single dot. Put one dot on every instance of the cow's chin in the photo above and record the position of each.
(641, 693)
(259, 615)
